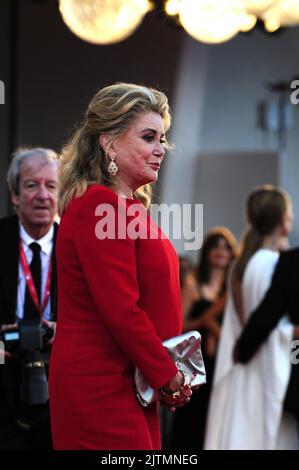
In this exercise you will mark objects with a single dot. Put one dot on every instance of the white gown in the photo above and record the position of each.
(245, 410)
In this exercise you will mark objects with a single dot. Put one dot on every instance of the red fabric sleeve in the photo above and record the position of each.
(111, 272)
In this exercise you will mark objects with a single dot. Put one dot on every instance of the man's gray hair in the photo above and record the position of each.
(22, 154)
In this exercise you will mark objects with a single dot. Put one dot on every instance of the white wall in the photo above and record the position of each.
(218, 89)
(222, 190)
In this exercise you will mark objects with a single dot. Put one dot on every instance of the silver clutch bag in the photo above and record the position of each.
(185, 350)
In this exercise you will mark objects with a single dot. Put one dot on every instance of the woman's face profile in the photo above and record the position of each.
(140, 150)
(220, 255)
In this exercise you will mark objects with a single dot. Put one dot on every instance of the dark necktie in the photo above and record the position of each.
(30, 310)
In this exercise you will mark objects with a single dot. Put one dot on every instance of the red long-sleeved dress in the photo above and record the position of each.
(117, 299)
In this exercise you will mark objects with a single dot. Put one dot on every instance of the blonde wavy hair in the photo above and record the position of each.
(111, 111)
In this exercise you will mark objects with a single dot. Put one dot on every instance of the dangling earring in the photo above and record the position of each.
(112, 168)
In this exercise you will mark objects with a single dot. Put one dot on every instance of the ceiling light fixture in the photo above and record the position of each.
(103, 21)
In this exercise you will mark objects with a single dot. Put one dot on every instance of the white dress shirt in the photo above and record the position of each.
(46, 244)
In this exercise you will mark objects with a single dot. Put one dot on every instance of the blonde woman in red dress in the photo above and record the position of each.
(118, 297)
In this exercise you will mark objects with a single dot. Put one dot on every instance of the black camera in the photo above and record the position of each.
(30, 334)
(28, 342)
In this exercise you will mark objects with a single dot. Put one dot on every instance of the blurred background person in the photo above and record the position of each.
(246, 405)
(27, 290)
(188, 285)
(205, 315)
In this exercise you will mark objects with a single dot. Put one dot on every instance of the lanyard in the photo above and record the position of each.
(30, 282)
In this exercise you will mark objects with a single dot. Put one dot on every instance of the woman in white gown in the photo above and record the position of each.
(246, 406)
